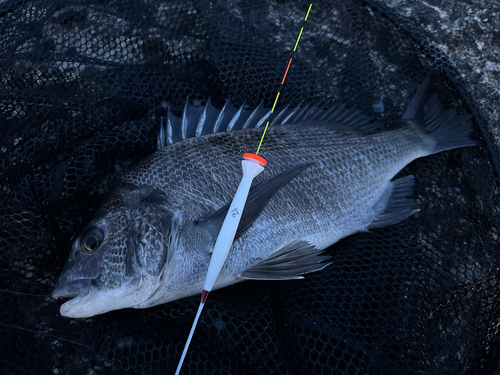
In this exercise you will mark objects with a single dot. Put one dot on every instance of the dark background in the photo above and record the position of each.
(81, 90)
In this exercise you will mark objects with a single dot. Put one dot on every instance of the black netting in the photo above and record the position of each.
(83, 88)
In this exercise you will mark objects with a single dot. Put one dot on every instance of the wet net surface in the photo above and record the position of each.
(82, 92)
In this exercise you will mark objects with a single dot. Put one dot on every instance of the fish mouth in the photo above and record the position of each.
(72, 289)
(86, 300)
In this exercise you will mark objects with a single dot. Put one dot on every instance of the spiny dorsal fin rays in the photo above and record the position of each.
(263, 119)
(292, 113)
(170, 128)
(202, 120)
(254, 114)
(333, 111)
(345, 115)
(220, 117)
(279, 116)
(197, 121)
(184, 121)
(162, 137)
(235, 118)
(299, 115)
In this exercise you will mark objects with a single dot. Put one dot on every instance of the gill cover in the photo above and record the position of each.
(149, 239)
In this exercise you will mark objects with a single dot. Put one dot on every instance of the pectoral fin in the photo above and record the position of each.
(258, 197)
(289, 262)
(262, 193)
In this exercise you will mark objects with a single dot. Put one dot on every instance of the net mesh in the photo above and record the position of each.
(83, 87)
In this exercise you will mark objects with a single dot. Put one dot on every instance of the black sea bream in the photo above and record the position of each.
(329, 175)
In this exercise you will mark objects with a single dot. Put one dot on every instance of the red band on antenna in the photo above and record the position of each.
(288, 67)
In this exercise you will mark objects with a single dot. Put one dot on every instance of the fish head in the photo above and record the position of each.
(118, 259)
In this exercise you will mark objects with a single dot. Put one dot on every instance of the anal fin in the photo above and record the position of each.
(288, 263)
(399, 206)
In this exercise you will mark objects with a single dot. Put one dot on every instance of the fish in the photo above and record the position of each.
(330, 173)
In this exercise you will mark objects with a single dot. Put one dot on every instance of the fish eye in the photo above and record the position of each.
(91, 240)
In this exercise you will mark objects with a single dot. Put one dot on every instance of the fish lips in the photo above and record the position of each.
(72, 289)
(87, 300)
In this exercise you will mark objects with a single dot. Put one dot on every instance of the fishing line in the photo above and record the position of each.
(24, 294)
(252, 165)
(284, 77)
(44, 334)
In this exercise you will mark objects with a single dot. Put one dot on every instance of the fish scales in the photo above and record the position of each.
(351, 172)
(191, 172)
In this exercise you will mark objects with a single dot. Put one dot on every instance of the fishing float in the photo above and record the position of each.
(251, 165)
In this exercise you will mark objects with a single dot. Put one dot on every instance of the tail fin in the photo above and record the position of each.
(445, 127)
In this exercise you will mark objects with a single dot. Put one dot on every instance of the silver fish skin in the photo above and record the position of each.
(151, 242)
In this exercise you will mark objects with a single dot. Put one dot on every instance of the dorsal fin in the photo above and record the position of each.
(202, 120)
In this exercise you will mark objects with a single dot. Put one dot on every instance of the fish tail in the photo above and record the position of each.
(445, 128)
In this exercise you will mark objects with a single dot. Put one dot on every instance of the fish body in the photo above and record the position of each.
(329, 175)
